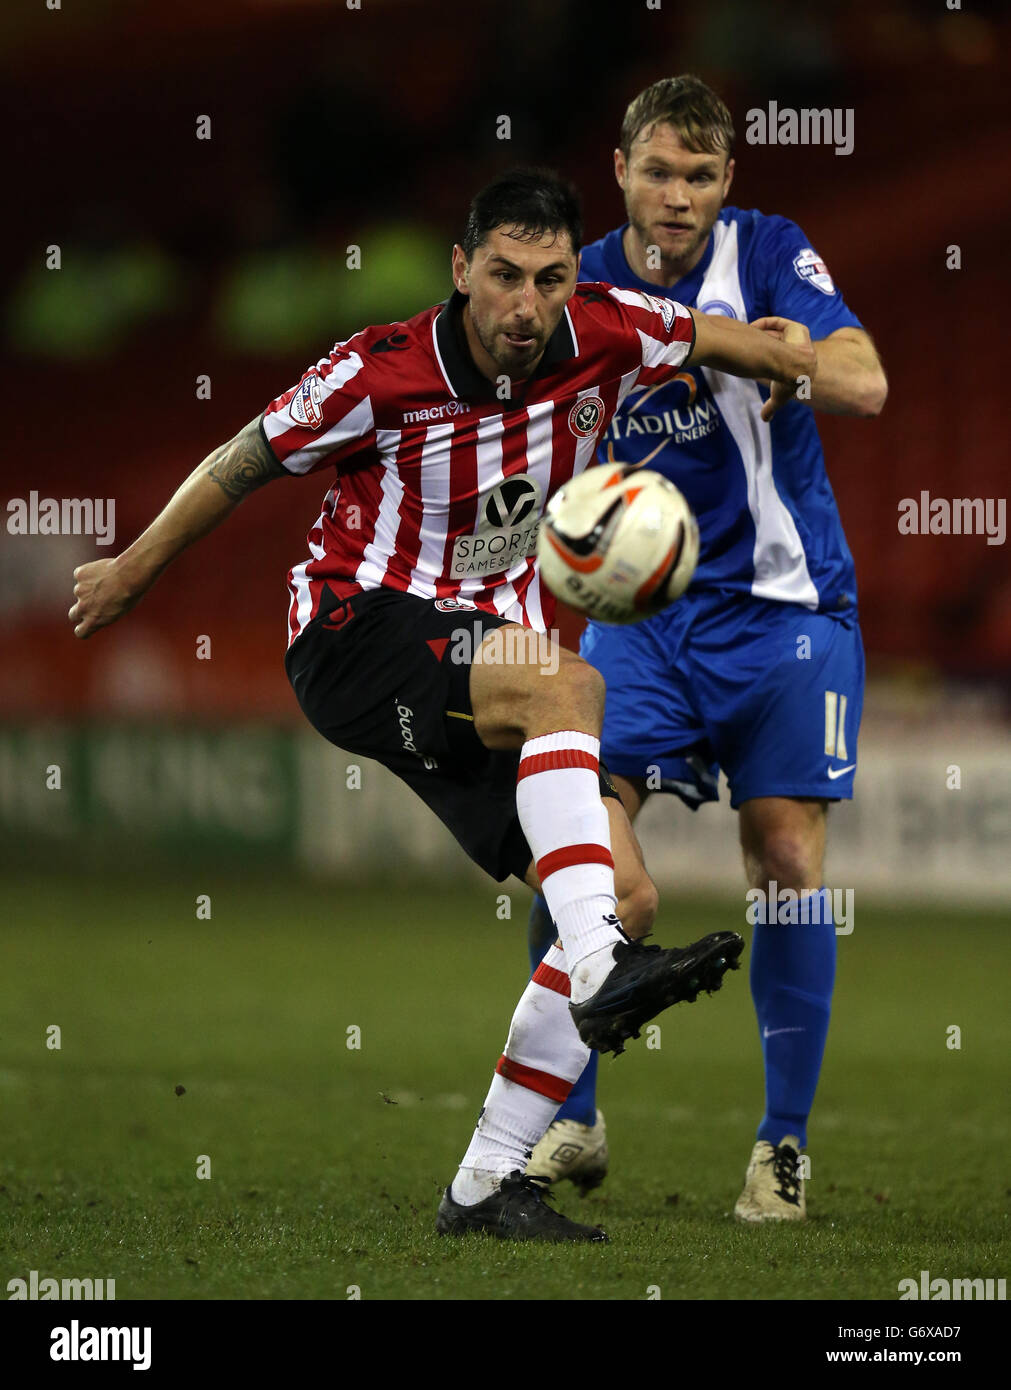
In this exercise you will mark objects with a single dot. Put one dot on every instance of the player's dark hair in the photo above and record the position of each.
(693, 109)
(533, 201)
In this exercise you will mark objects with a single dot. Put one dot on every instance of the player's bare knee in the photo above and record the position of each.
(788, 859)
(571, 698)
(583, 688)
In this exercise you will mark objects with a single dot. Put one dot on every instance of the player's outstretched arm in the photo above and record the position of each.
(106, 589)
(780, 351)
(851, 379)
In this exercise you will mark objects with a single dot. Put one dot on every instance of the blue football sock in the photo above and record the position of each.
(581, 1104)
(792, 974)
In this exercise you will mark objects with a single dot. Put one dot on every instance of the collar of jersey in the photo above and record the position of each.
(467, 382)
(686, 289)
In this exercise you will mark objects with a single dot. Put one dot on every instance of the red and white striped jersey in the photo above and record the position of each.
(441, 484)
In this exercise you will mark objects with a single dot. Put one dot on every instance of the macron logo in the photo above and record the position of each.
(436, 412)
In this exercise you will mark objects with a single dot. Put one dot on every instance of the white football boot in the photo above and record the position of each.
(773, 1187)
(574, 1151)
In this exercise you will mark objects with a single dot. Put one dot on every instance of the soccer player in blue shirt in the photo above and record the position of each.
(759, 668)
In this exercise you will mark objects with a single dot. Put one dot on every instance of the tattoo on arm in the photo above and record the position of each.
(244, 463)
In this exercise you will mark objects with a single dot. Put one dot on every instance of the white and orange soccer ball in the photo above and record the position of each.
(618, 543)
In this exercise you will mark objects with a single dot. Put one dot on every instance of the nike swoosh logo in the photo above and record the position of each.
(835, 772)
(771, 1032)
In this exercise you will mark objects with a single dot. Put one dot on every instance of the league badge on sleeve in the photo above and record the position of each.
(810, 267)
(664, 307)
(306, 406)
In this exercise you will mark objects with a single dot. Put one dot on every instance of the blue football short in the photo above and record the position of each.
(772, 693)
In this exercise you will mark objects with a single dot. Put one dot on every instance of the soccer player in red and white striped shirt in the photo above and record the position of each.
(416, 627)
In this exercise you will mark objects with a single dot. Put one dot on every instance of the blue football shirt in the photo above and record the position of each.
(767, 517)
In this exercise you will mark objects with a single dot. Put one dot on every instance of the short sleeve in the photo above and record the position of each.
(327, 417)
(798, 283)
(665, 329)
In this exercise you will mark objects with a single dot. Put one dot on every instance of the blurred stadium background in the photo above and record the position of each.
(226, 258)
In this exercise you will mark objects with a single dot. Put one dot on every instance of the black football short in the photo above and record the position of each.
(386, 675)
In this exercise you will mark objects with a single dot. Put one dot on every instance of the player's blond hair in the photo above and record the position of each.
(686, 103)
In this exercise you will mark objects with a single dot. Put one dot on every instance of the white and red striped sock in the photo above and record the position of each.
(565, 822)
(544, 1055)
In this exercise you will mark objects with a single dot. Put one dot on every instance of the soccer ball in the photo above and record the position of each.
(618, 543)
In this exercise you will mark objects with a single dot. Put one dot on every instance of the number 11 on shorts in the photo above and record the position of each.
(835, 725)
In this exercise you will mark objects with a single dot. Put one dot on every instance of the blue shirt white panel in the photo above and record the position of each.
(768, 520)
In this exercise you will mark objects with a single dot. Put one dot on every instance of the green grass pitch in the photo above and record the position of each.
(327, 1161)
